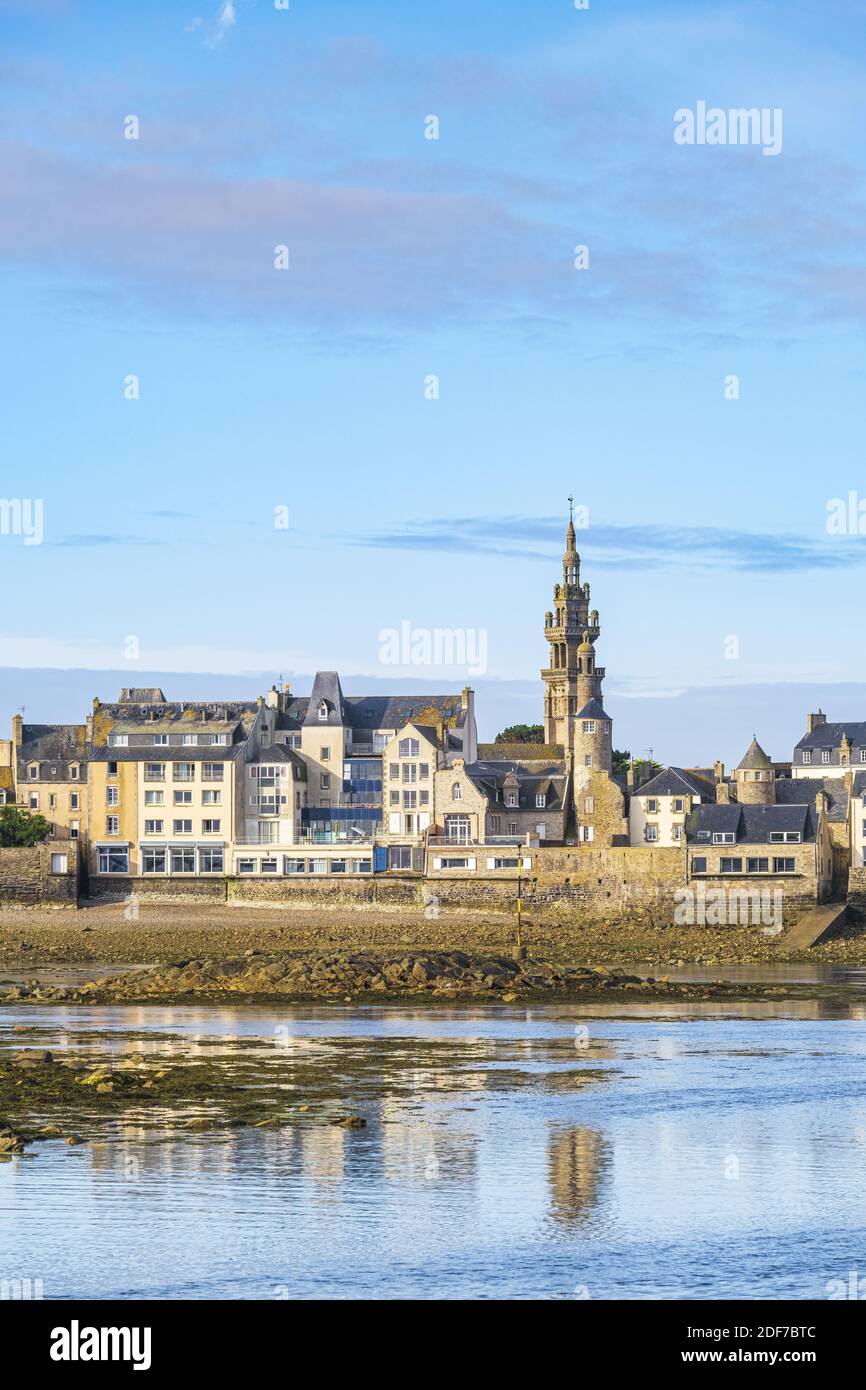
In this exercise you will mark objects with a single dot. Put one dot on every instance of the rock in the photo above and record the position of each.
(105, 1088)
(351, 1122)
(32, 1059)
(10, 1142)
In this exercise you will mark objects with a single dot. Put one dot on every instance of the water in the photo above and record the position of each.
(661, 1151)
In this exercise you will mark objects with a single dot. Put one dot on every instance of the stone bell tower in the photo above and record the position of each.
(572, 678)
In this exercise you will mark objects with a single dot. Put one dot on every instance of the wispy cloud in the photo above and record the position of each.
(646, 547)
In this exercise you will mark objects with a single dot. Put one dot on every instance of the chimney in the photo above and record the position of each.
(17, 730)
(274, 699)
(813, 720)
(719, 771)
(821, 803)
(630, 778)
(88, 728)
(723, 793)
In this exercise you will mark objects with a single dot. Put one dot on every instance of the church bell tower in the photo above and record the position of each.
(572, 680)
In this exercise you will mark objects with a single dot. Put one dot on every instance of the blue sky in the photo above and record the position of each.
(411, 257)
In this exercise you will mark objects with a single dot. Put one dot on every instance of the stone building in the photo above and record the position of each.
(659, 807)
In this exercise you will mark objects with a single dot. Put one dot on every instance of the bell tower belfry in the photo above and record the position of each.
(572, 678)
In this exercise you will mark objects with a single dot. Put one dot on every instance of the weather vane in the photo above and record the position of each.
(570, 508)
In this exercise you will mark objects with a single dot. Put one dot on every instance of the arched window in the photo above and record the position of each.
(456, 792)
(323, 709)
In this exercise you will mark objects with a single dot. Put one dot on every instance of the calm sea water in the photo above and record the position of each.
(718, 1154)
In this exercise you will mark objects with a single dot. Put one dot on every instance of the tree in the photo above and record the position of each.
(621, 761)
(19, 828)
(521, 733)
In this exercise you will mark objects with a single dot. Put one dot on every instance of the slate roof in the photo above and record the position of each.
(830, 736)
(53, 747)
(373, 712)
(674, 781)
(750, 824)
(797, 789)
(173, 753)
(754, 757)
(593, 709)
(490, 776)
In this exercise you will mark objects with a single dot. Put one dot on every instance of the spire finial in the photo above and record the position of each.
(570, 507)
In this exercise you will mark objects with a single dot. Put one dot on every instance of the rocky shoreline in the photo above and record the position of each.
(361, 975)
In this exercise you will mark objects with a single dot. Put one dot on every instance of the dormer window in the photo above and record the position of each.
(540, 801)
(33, 772)
(73, 772)
(825, 755)
(323, 709)
(511, 799)
(807, 755)
(456, 792)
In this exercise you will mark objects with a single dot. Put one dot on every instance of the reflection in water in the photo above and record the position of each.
(703, 1150)
(575, 1164)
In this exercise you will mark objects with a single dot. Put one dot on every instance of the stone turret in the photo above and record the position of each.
(755, 777)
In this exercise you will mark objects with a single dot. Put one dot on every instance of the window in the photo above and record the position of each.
(409, 747)
(112, 769)
(326, 781)
(394, 771)
(730, 866)
(154, 772)
(52, 801)
(825, 755)
(73, 830)
(210, 827)
(863, 755)
(457, 829)
(73, 771)
(190, 740)
(112, 825)
(541, 830)
(295, 866)
(586, 833)
(153, 827)
(73, 801)
(318, 866)
(325, 754)
(424, 798)
(210, 798)
(224, 738)
(59, 863)
(152, 861)
(678, 804)
(587, 760)
(540, 801)
(589, 726)
(33, 772)
(792, 837)
(212, 772)
(410, 801)
(502, 863)
(456, 792)
(699, 864)
(248, 866)
(512, 799)
(454, 863)
(338, 866)
(34, 801)
(758, 866)
(399, 857)
(410, 772)
(112, 859)
(182, 827)
(495, 822)
(512, 827)
(184, 772)
(783, 866)
(807, 755)
(652, 806)
(323, 710)
(395, 798)
(183, 860)
(182, 798)
(723, 837)
(112, 796)
(652, 833)
(589, 805)
(269, 866)
(677, 832)
(424, 770)
(118, 740)
(210, 861)
(162, 739)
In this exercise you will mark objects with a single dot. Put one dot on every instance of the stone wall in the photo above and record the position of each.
(857, 888)
(27, 880)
